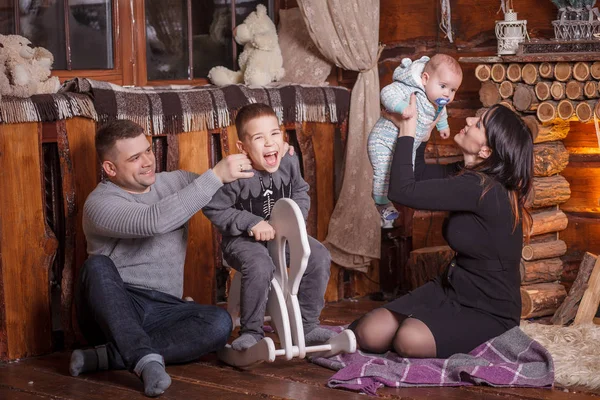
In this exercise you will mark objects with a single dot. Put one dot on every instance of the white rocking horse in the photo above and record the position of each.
(283, 309)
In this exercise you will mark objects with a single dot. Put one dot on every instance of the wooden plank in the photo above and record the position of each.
(199, 272)
(53, 384)
(531, 58)
(584, 181)
(16, 394)
(323, 138)
(80, 172)
(316, 141)
(591, 298)
(27, 246)
(568, 309)
(50, 377)
(254, 383)
(531, 393)
(229, 139)
(582, 234)
(85, 169)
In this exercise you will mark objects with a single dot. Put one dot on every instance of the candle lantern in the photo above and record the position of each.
(510, 33)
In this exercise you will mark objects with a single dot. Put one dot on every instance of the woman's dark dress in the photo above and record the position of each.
(478, 296)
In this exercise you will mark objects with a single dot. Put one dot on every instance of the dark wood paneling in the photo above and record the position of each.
(27, 245)
(199, 272)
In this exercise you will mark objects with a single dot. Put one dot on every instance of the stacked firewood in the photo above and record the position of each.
(547, 90)
(547, 96)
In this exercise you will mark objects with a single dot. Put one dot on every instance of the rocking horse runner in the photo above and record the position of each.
(241, 210)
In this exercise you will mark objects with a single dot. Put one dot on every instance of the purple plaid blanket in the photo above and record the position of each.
(512, 359)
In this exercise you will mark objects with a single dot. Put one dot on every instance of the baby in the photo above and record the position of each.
(241, 211)
(434, 82)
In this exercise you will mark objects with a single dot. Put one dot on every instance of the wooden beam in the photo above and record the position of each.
(568, 309)
(591, 298)
(541, 299)
(199, 272)
(27, 245)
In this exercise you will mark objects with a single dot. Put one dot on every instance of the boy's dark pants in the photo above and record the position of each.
(252, 259)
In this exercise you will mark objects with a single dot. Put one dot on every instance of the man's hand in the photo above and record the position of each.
(445, 133)
(233, 167)
(263, 231)
(288, 149)
(406, 126)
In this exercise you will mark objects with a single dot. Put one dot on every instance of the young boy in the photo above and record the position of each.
(241, 212)
(434, 82)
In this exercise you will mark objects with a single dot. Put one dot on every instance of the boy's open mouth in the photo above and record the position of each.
(271, 158)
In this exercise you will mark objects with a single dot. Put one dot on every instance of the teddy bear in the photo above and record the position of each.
(260, 62)
(26, 68)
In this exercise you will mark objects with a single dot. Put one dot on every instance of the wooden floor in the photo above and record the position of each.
(48, 378)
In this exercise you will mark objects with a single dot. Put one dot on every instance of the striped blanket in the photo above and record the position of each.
(174, 109)
(512, 359)
(46, 108)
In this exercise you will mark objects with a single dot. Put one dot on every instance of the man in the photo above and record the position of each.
(129, 290)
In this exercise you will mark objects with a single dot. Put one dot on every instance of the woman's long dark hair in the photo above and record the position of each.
(511, 160)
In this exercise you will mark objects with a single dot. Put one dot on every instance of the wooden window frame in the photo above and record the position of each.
(129, 46)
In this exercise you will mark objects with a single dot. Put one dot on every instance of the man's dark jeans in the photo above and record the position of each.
(135, 322)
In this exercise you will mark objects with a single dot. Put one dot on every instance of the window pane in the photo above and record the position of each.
(211, 27)
(7, 17)
(90, 32)
(43, 23)
(167, 55)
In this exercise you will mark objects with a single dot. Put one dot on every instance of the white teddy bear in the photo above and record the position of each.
(260, 62)
(26, 68)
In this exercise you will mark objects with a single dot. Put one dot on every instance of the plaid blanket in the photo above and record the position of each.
(167, 110)
(512, 359)
(46, 108)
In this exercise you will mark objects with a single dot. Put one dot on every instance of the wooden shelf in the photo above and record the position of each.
(532, 58)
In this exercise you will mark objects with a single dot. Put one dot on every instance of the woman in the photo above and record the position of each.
(477, 297)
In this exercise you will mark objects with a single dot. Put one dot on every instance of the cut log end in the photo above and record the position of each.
(542, 90)
(565, 109)
(584, 111)
(483, 72)
(546, 111)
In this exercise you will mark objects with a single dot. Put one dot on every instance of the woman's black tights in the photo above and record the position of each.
(381, 330)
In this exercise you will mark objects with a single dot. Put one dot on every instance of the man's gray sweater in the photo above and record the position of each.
(145, 234)
(241, 204)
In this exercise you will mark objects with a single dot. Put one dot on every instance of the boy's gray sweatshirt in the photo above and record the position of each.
(241, 204)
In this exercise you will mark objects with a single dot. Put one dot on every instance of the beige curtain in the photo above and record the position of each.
(347, 34)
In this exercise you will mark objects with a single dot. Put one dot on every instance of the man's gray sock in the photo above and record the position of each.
(155, 378)
(318, 336)
(245, 341)
(88, 360)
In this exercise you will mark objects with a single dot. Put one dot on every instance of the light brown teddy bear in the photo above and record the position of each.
(27, 68)
(260, 62)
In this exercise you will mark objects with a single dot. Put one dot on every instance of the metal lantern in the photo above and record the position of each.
(510, 33)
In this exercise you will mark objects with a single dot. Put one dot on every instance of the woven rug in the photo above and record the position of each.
(574, 349)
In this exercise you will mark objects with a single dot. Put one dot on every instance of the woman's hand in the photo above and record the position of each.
(407, 126)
